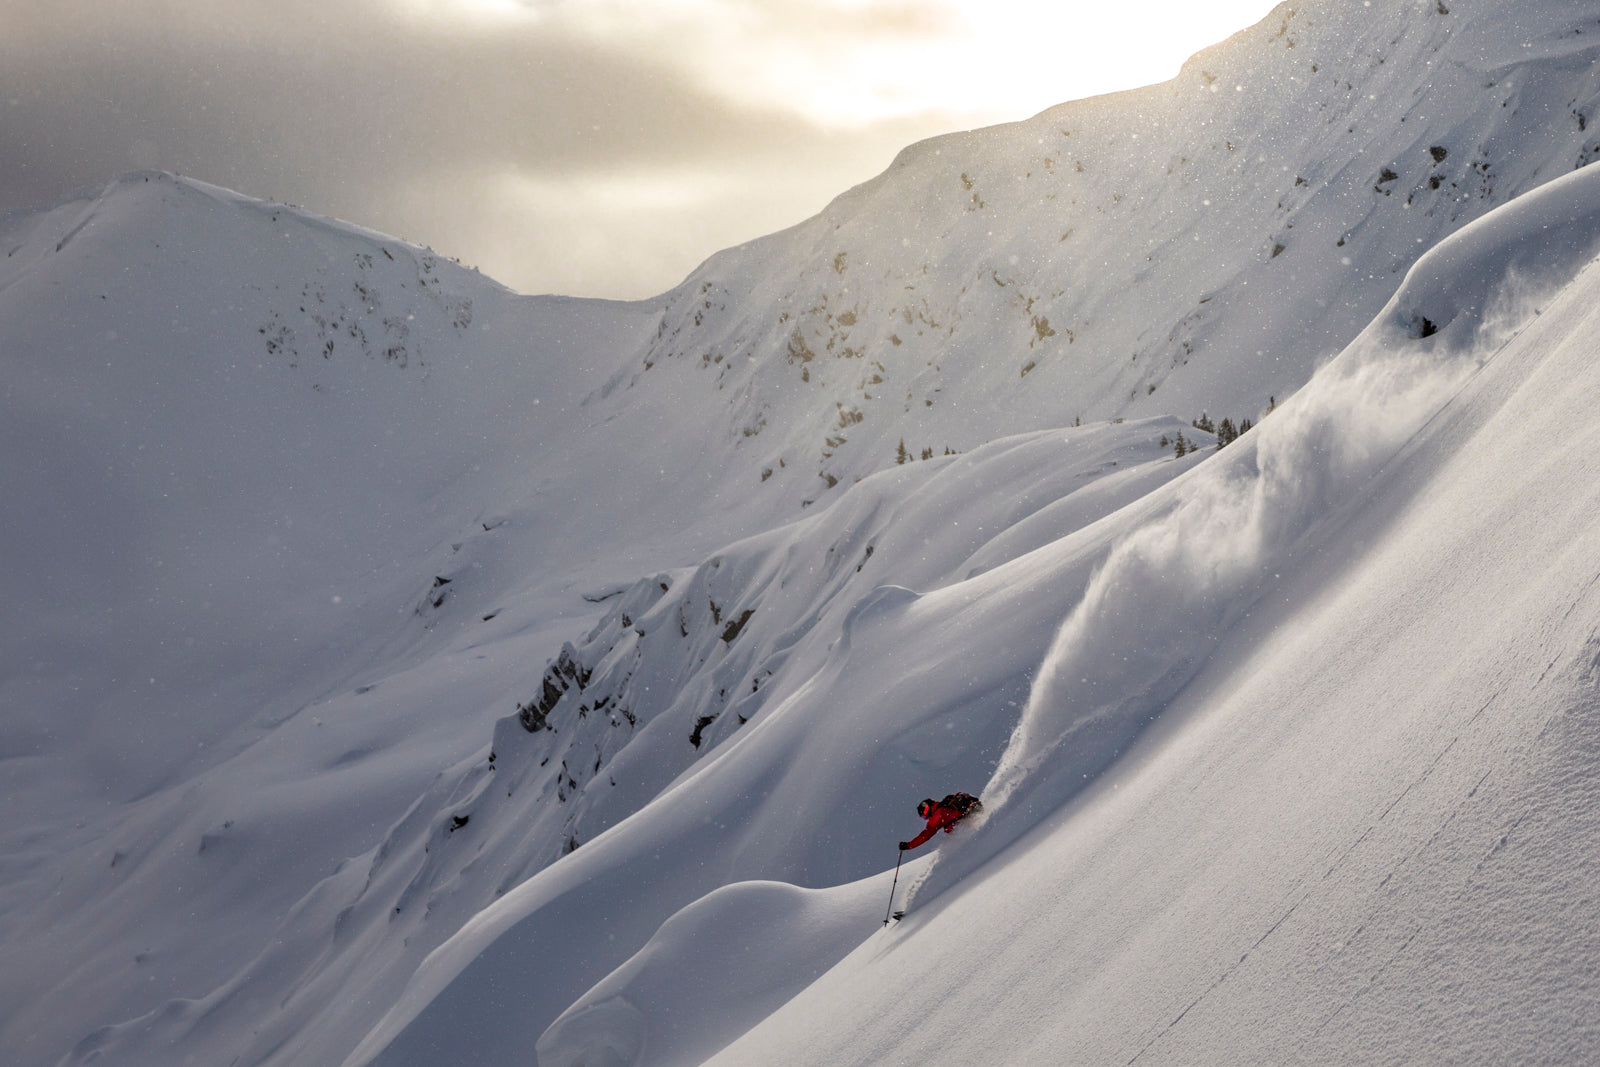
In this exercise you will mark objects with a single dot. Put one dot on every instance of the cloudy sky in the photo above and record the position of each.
(591, 147)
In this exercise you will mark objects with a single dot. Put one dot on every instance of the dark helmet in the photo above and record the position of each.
(925, 809)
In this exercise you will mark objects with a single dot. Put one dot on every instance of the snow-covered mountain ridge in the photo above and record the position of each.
(320, 746)
(984, 282)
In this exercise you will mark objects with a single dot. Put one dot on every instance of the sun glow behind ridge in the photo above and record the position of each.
(994, 60)
(849, 63)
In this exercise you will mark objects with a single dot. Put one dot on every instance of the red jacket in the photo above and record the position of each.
(941, 818)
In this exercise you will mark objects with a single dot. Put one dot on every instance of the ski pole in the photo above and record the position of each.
(892, 885)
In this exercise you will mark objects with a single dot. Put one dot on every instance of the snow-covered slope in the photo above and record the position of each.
(289, 578)
(414, 672)
(1290, 614)
(1365, 827)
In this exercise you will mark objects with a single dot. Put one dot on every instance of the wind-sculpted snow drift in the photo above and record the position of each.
(783, 937)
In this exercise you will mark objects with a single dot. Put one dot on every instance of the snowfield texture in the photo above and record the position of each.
(404, 671)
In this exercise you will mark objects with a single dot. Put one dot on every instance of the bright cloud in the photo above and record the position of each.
(854, 62)
(407, 115)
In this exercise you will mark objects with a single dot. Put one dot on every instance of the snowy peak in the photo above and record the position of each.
(330, 289)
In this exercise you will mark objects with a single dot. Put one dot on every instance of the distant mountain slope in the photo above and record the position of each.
(221, 415)
(243, 446)
(1199, 245)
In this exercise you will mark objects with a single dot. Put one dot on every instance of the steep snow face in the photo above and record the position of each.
(1195, 246)
(1111, 668)
(878, 692)
(1362, 829)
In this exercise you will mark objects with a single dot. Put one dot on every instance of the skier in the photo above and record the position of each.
(943, 815)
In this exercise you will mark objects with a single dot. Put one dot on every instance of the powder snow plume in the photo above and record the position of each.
(1154, 610)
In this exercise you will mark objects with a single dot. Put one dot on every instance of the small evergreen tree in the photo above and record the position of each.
(1180, 447)
(901, 454)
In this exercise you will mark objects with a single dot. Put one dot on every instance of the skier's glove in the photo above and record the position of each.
(904, 845)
